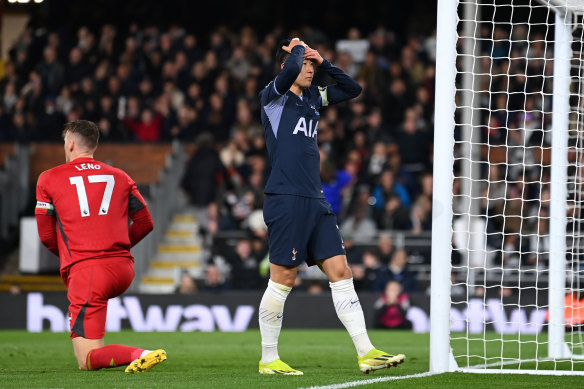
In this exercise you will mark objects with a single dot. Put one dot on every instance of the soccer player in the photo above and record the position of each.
(82, 215)
(301, 224)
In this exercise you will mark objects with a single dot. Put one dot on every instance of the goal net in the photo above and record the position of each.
(507, 243)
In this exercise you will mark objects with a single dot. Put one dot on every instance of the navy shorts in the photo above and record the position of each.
(301, 229)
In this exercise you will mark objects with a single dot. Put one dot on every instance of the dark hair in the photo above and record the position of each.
(281, 54)
(88, 131)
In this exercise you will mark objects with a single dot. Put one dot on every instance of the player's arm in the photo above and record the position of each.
(142, 222)
(45, 217)
(47, 229)
(292, 67)
(345, 88)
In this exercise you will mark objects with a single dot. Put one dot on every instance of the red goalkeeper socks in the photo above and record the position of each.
(111, 356)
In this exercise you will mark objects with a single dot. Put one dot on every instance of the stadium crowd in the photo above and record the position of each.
(147, 84)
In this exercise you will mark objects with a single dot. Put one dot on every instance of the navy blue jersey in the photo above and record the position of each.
(291, 126)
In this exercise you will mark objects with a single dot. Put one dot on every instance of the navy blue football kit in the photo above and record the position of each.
(301, 224)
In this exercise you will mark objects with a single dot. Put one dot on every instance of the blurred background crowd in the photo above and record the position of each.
(144, 82)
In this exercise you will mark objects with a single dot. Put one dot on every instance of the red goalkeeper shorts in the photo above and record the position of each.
(90, 285)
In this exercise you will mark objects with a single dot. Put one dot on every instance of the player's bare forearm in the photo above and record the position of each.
(346, 88)
(291, 69)
(48, 232)
(141, 226)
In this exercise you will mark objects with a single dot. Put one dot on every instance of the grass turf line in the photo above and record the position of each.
(230, 360)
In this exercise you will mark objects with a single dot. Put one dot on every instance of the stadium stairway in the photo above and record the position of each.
(31, 283)
(181, 250)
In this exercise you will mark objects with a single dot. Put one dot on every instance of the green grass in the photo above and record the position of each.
(229, 360)
(496, 349)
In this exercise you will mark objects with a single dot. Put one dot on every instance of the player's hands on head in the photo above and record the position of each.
(314, 55)
(294, 42)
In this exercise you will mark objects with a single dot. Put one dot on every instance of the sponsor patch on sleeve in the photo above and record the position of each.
(47, 206)
(43, 208)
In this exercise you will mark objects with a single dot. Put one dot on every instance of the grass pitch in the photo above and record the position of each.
(230, 360)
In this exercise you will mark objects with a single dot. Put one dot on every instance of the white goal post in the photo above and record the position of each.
(507, 286)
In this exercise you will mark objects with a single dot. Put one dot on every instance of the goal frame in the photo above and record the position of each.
(441, 357)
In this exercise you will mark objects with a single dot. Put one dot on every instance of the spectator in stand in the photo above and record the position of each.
(426, 186)
(249, 95)
(19, 130)
(245, 273)
(376, 129)
(214, 281)
(354, 252)
(107, 132)
(365, 274)
(169, 117)
(245, 122)
(334, 182)
(357, 124)
(194, 97)
(33, 93)
(148, 128)
(421, 215)
(15, 289)
(414, 144)
(385, 248)
(186, 284)
(395, 103)
(386, 187)
(238, 65)
(215, 118)
(187, 125)
(355, 45)
(394, 216)
(359, 224)
(151, 84)
(239, 205)
(391, 308)
(51, 70)
(412, 66)
(49, 120)
(233, 158)
(397, 271)
(377, 161)
(424, 104)
(87, 97)
(146, 92)
(76, 69)
(315, 287)
(203, 177)
(374, 75)
(256, 226)
(10, 97)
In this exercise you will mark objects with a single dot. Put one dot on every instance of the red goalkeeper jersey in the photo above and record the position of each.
(83, 211)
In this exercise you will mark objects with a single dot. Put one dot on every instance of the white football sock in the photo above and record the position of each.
(270, 315)
(145, 352)
(350, 313)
